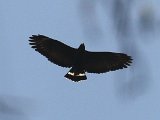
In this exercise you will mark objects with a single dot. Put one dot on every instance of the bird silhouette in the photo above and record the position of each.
(79, 60)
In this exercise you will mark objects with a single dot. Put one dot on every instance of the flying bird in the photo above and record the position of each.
(78, 59)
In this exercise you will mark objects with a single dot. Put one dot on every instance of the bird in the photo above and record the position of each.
(79, 60)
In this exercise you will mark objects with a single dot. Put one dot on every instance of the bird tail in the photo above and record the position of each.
(76, 75)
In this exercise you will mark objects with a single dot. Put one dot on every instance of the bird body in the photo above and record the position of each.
(77, 71)
(79, 60)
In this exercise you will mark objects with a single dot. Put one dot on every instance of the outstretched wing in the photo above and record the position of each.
(100, 62)
(56, 52)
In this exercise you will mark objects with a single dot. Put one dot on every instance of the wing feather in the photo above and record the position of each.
(56, 51)
(100, 62)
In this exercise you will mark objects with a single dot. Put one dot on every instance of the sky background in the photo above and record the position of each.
(32, 88)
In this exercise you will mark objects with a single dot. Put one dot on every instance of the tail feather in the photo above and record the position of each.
(75, 75)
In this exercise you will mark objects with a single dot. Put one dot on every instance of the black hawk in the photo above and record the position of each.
(79, 60)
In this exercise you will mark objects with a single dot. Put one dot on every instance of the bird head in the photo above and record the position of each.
(82, 47)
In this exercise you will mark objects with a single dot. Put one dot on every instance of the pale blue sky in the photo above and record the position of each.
(32, 88)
